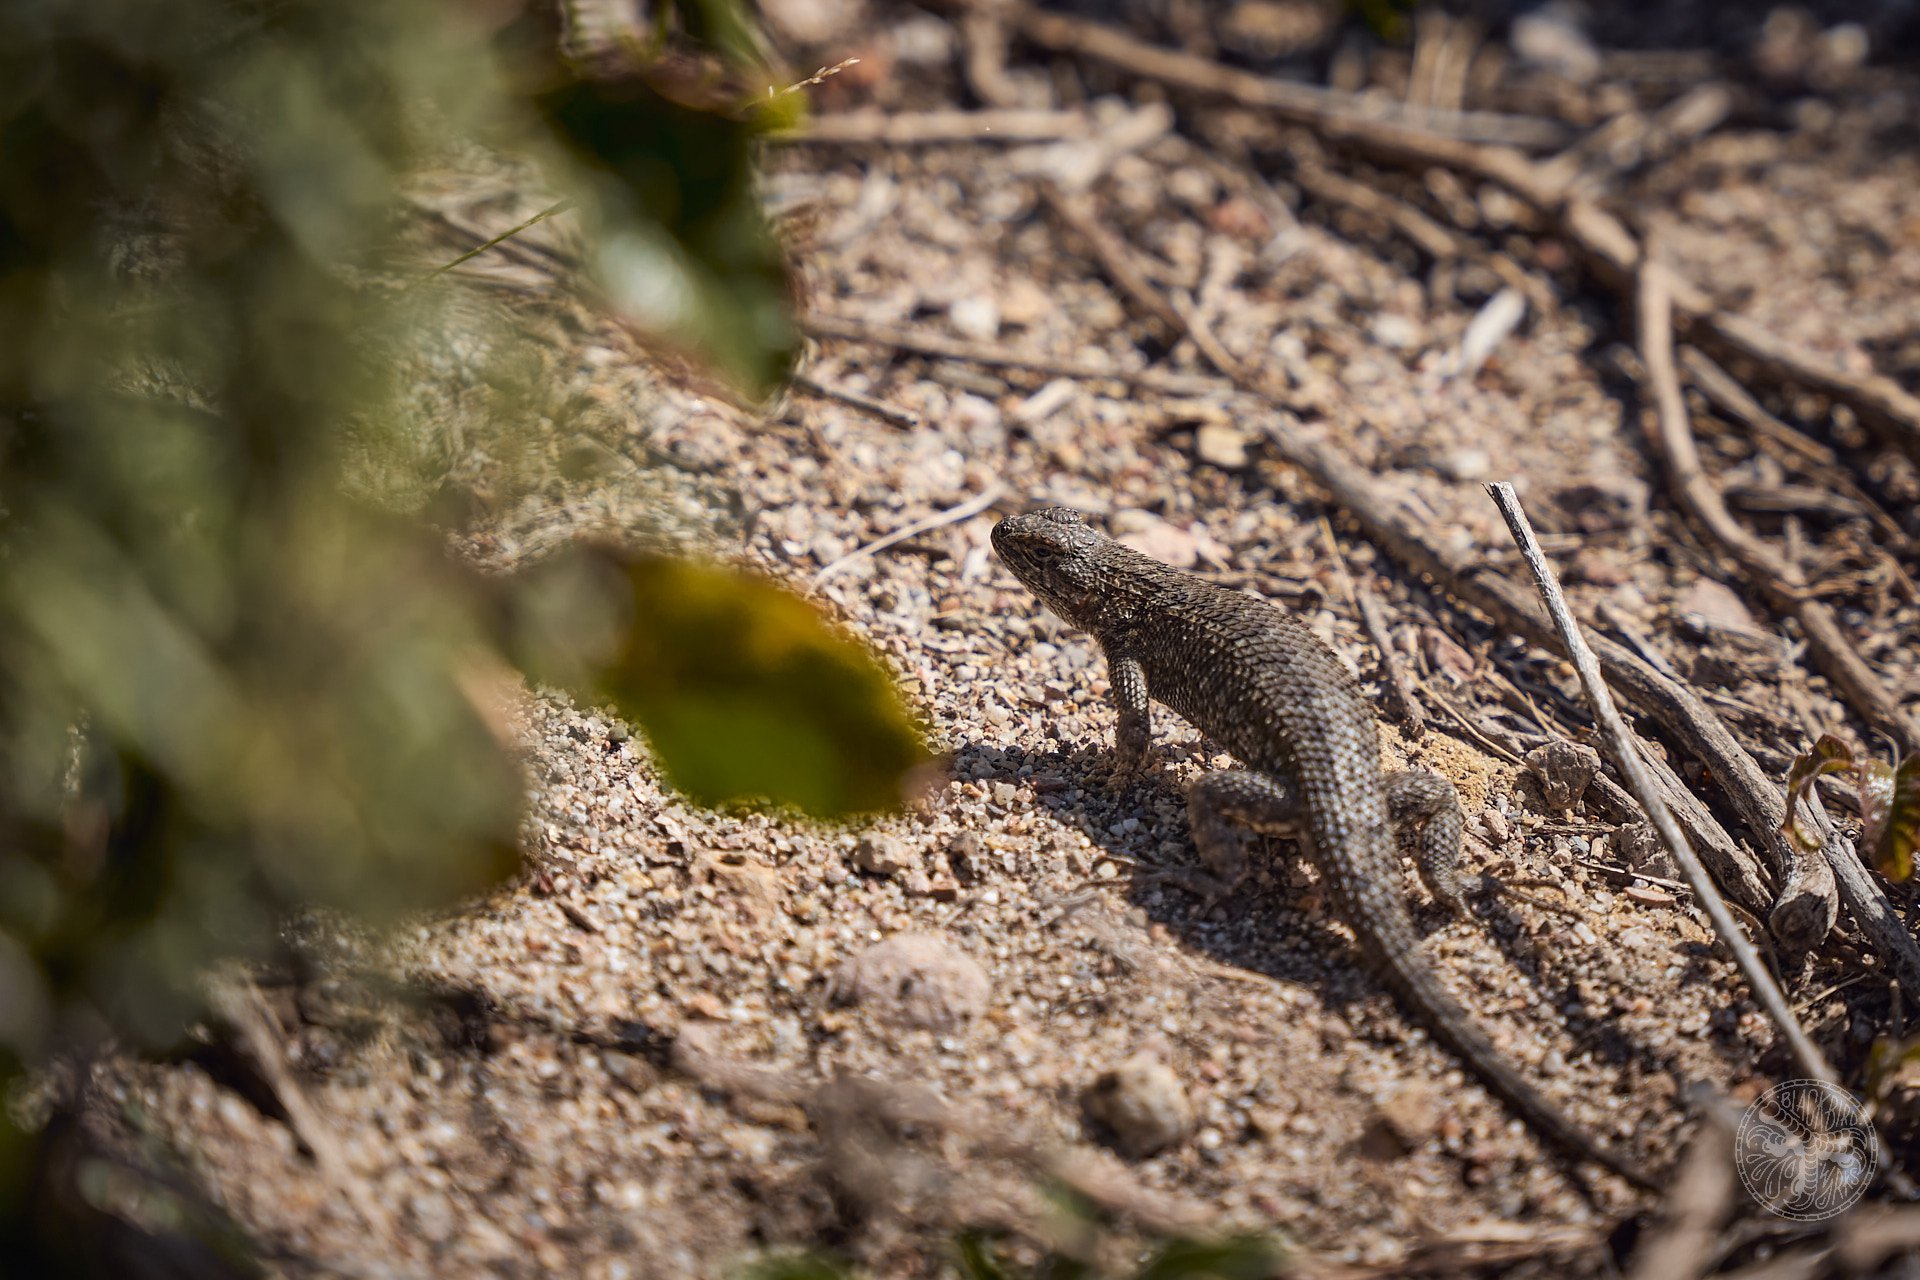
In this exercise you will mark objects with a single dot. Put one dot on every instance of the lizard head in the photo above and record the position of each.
(1055, 554)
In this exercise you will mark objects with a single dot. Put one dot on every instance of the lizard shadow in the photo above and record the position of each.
(1268, 926)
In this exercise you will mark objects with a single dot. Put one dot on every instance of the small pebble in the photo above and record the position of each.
(915, 979)
(881, 855)
(1140, 1104)
(1564, 770)
(1220, 445)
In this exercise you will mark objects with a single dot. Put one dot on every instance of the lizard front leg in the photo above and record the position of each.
(1223, 807)
(1133, 736)
(1425, 811)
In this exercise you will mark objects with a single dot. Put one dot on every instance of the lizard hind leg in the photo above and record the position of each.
(1226, 805)
(1425, 812)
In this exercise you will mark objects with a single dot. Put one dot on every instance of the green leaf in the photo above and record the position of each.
(741, 687)
(1887, 1061)
(1890, 808)
(1235, 1258)
(975, 1259)
(680, 244)
(1829, 755)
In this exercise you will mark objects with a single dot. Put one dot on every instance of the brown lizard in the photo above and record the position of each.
(1263, 686)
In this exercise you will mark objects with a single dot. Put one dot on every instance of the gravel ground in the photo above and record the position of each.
(1003, 943)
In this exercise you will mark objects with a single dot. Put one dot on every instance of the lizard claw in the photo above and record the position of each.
(1128, 768)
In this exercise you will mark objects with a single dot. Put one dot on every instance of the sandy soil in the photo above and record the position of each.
(623, 1067)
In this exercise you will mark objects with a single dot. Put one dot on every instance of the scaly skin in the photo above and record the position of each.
(1264, 687)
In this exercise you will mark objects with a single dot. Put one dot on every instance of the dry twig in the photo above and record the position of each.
(889, 414)
(1673, 705)
(1437, 242)
(932, 128)
(1726, 394)
(1635, 139)
(1373, 619)
(1866, 901)
(919, 342)
(939, 519)
(1116, 260)
(1626, 756)
(239, 1002)
(1327, 109)
(1603, 240)
(1779, 579)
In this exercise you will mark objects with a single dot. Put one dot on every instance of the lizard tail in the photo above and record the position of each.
(1448, 1020)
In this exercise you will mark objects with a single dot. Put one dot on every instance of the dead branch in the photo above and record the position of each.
(1626, 756)
(932, 128)
(939, 519)
(939, 346)
(1675, 707)
(1327, 109)
(1116, 261)
(892, 415)
(1779, 579)
(1867, 901)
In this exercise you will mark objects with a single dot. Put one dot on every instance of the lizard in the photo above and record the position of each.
(1260, 683)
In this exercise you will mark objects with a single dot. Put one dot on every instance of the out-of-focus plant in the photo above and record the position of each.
(227, 683)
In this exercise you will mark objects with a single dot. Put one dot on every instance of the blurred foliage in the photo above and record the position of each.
(228, 683)
(807, 714)
(1889, 797)
(1390, 21)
